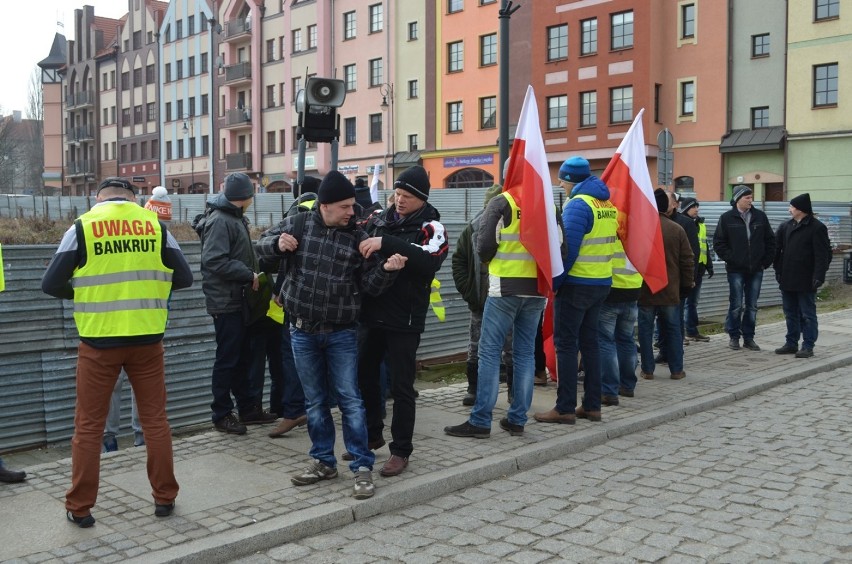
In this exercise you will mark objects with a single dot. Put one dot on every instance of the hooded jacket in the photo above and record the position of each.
(228, 261)
(422, 238)
(578, 220)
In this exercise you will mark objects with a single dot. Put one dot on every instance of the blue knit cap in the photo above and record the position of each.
(575, 169)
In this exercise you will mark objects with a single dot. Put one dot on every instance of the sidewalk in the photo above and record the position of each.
(236, 497)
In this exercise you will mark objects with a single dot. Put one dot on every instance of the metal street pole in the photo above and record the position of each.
(386, 90)
(505, 15)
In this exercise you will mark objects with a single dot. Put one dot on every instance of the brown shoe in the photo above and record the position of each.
(541, 378)
(590, 415)
(554, 416)
(287, 425)
(646, 376)
(372, 445)
(679, 375)
(394, 466)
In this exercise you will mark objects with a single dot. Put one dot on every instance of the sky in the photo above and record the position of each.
(26, 37)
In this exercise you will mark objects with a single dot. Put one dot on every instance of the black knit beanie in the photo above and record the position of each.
(662, 199)
(415, 180)
(238, 186)
(334, 188)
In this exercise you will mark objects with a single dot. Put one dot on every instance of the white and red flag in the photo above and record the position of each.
(374, 184)
(528, 181)
(632, 192)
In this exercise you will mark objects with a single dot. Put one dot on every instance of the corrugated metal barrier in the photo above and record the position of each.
(38, 340)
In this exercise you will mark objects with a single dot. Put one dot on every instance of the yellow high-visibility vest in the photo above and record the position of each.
(624, 276)
(435, 301)
(702, 244)
(596, 250)
(512, 259)
(123, 288)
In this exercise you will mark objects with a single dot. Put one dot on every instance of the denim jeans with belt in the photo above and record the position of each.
(618, 349)
(744, 290)
(326, 361)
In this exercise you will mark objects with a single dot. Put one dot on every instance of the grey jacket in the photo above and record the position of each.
(228, 261)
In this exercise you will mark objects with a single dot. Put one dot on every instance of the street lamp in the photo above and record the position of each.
(386, 90)
(189, 127)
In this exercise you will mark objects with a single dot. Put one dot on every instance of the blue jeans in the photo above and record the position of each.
(742, 314)
(800, 312)
(113, 421)
(618, 350)
(576, 329)
(501, 315)
(690, 314)
(671, 346)
(292, 395)
(231, 367)
(325, 361)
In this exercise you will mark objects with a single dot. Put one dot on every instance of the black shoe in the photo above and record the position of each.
(469, 399)
(164, 509)
(82, 522)
(734, 344)
(229, 424)
(258, 416)
(11, 476)
(625, 392)
(787, 349)
(609, 400)
(750, 345)
(805, 353)
(513, 429)
(468, 430)
(660, 359)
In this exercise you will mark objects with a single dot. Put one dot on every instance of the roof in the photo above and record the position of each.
(761, 139)
(405, 159)
(56, 58)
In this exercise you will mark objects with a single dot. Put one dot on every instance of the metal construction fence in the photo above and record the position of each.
(38, 339)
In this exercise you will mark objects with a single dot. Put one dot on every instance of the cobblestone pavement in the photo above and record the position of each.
(764, 479)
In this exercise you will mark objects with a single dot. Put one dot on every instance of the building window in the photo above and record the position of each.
(297, 86)
(376, 12)
(270, 142)
(485, 2)
(412, 142)
(621, 104)
(760, 45)
(375, 128)
(376, 72)
(455, 117)
(687, 98)
(190, 25)
(557, 112)
(168, 116)
(137, 39)
(413, 89)
(589, 36)
(204, 63)
(488, 112)
(455, 56)
(191, 64)
(137, 77)
(349, 77)
(125, 78)
(760, 117)
(349, 25)
(312, 37)
(454, 6)
(349, 131)
(622, 30)
(179, 67)
(826, 9)
(412, 31)
(687, 21)
(138, 115)
(143, 150)
(825, 85)
(179, 29)
(270, 50)
(205, 107)
(557, 42)
(150, 76)
(270, 96)
(151, 111)
(588, 109)
(297, 40)
(488, 50)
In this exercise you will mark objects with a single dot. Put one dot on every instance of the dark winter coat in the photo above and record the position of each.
(802, 254)
(680, 263)
(741, 252)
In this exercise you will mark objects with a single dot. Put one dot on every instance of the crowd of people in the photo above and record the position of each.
(336, 295)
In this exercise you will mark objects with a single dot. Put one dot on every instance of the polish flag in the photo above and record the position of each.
(528, 181)
(632, 192)
(374, 184)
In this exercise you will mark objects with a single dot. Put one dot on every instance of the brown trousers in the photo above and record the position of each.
(97, 371)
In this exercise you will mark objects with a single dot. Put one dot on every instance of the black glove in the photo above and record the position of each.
(816, 283)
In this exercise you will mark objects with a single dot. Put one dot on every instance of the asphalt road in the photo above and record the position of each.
(768, 478)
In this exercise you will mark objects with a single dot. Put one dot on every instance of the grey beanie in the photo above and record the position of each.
(238, 186)
(740, 190)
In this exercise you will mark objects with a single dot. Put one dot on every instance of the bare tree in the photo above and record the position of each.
(32, 159)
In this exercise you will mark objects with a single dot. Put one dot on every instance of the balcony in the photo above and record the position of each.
(238, 161)
(237, 118)
(80, 134)
(236, 29)
(239, 73)
(80, 99)
(80, 168)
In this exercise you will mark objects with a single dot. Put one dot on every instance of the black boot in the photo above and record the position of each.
(472, 378)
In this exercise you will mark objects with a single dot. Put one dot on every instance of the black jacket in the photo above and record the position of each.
(422, 239)
(802, 254)
(740, 252)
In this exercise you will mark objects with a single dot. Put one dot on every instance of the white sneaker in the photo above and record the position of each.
(314, 473)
